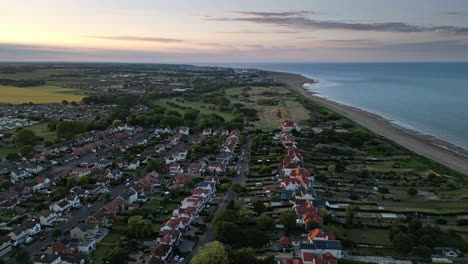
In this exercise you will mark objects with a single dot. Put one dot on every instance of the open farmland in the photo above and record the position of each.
(38, 95)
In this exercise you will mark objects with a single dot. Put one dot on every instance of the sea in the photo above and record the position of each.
(429, 98)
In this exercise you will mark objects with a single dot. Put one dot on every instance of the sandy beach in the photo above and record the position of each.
(428, 146)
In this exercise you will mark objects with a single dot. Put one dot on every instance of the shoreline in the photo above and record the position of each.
(429, 146)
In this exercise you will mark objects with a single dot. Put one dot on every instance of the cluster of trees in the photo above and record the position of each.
(25, 141)
(21, 83)
(228, 231)
(217, 253)
(139, 227)
(204, 147)
(419, 239)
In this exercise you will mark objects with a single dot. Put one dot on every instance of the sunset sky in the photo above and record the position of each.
(234, 31)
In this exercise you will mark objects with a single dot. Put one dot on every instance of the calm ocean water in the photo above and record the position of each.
(431, 98)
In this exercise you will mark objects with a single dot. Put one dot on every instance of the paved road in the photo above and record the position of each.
(82, 214)
(242, 167)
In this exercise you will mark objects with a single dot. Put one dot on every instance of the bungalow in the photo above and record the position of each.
(47, 259)
(5, 245)
(134, 164)
(148, 183)
(80, 172)
(61, 207)
(47, 217)
(207, 132)
(288, 126)
(128, 197)
(41, 182)
(87, 246)
(182, 178)
(37, 157)
(19, 175)
(19, 235)
(34, 227)
(98, 218)
(182, 155)
(193, 168)
(217, 168)
(114, 174)
(162, 251)
(84, 231)
(112, 208)
(175, 168)
(321, 247)
(184, 131)
(159, 147)
(103, 163)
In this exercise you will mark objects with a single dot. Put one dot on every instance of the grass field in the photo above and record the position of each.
(369, 236)
(193, 104)
(39, 129)
(38, 95)
(100, 252)
(112, 237)
(270, 115)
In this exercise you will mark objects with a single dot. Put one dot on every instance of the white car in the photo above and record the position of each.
(176, 258)
(181, 260)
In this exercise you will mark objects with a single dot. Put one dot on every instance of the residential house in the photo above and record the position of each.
(19, 175)
(160, 147)
(84, 231)
(175, 168)
(19, 235)
(184, 131)
(114, 174)
(182, 178)
(47, 217)
(43, 258)
(148, 183)
(5, 245)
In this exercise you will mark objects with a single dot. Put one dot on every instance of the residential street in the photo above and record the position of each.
(209, 234)
(82, 214)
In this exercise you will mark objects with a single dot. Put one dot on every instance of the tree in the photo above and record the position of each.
(383, 190)
(259, 206)
(153, 165)
(414, 225)
(256, 238)
(56, 232)
(231, 205)
(236, 187)
(22, 256)
(243, 256)
(132, 222)
(143, 228)
(412, 191)
(83, 180)
(65, 102)
(211, 253)
(228, 233)
(402, 243)
(349, 215)
(312, 225)
(52, 124)
(12, 156)
(264, 222)
(25, 137)
(423, 252)
(25, 150)
(288, 219)
(224, 216)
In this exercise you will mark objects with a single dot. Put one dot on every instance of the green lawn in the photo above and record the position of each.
(369, 236)
(112, 237)
(100, 252)
(194, 104)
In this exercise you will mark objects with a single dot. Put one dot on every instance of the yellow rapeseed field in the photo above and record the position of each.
(38, 95)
